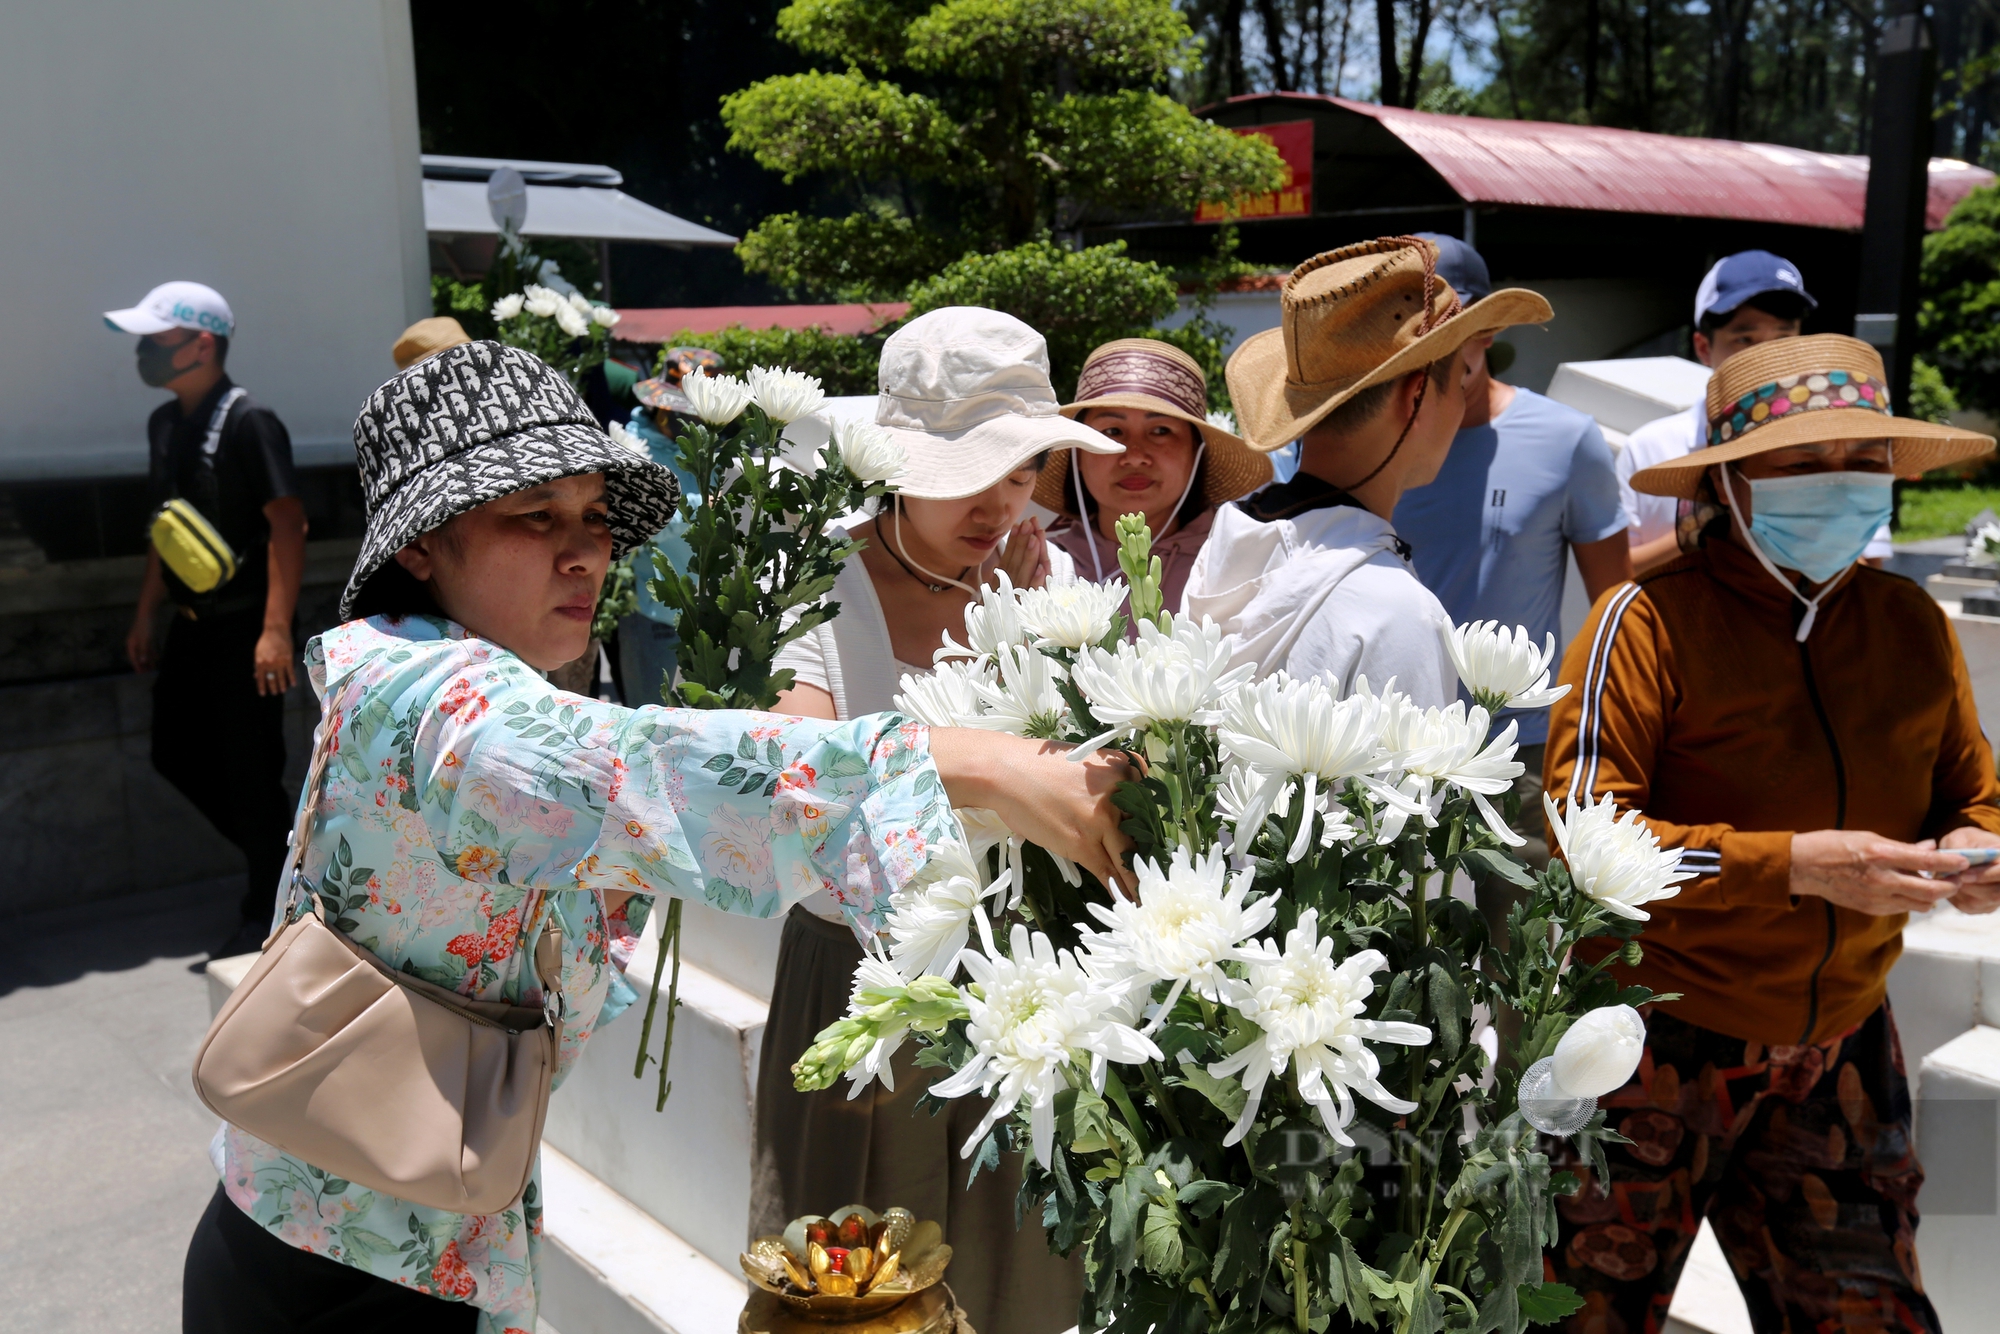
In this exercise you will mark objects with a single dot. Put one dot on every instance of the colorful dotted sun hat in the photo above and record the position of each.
(1802, 391)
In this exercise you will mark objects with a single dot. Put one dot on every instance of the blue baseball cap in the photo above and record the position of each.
(1460, 265)
(1738, 277)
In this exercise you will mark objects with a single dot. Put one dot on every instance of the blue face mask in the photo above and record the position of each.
(1819, 524)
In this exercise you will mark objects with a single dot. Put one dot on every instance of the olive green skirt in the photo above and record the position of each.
(814, 1152)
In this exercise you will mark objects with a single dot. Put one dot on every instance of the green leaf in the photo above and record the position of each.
(359, 875)
(1160, 1244)
(334, 1186)
(1448, 1008)
(1546, 1303)
(343, 853)
(732, 778)
(1227, 1095)
(774, 754)
(717, 763)
(1494, 862)
(747, 747)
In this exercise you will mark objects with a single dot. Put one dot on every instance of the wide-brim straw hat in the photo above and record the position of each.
(1804, 391)
(1353, 318)
(1153, 376)
(966, 392)
(476, 422)
(427, 338)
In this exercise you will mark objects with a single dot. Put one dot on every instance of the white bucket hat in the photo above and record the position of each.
(966, 393)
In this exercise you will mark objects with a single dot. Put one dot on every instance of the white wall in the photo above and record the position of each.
(267, 148)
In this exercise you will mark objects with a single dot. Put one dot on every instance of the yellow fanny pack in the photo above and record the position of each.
(191, 547)
(187, 542)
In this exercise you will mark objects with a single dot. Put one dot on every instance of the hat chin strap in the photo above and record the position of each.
(1083, 510)
(897, 506)
(1812, 603)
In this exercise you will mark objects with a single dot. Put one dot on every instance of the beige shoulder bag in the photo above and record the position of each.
(378, 1077)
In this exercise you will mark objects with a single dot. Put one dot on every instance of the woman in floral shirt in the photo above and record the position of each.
(467, 802)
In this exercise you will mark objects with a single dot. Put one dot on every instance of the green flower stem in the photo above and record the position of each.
(670, 935)
(1301, 1311)
(1161, 1099)
(652, 1003)
(1114, 1089)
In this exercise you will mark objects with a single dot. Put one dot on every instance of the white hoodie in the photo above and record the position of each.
(1323, 594)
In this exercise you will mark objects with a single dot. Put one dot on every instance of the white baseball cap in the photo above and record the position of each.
(176, 306)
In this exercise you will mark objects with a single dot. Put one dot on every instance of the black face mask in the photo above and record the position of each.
(156, 363)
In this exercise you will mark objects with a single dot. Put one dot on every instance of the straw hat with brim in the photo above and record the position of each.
(427, 338)
(1803, 391)
(476, 422)
(1352, 318)
(1153, 376)
(966, 393)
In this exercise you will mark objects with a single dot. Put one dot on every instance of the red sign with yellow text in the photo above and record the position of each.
(1294, 141)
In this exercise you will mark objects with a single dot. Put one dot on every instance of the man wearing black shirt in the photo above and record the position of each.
(218, 702)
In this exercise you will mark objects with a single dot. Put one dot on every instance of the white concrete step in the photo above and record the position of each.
(689, 1165)
(608, 1267)
(1958, 1138)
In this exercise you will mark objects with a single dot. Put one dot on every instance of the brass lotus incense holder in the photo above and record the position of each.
(849, 1266)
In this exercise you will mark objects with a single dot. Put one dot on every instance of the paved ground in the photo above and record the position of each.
(103, 1145)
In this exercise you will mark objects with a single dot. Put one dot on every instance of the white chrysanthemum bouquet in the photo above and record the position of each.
(568, 331)
(771, 477)
(1265, 1093)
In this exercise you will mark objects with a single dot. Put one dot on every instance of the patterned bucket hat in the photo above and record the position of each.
(476, 422)
(1802, 391)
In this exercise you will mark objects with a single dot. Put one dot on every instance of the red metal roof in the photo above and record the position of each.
(660, 323)
(1542, 164)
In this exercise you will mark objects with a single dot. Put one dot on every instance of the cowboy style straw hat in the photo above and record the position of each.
(1352, 318)
(965, 391)
(1153, 376)
(1801, 391)
(427, 338)
(476, 422)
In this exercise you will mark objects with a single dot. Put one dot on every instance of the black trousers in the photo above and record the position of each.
(239, 1279)
(223, 745)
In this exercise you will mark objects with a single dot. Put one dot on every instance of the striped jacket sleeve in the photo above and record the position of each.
(1605, 737)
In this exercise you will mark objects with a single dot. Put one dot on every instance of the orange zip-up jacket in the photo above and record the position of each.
(1692, 702)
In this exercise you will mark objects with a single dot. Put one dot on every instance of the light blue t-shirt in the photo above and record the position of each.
(1490, 535)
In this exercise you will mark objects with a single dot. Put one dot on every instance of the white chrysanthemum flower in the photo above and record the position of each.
(605, 317)
(947, 696)
(931, 924)
(1189, 920)
(1026, 701)
(1031, 1017)
(1434, 747)
(718, 399)
(1503, 668)
(992, 624)
(873, 979)
(1310, 1012)
(1599, 1052)
(1071, 613)
(579, 303)
(507, 307)
(869, 452)
(1166, 677)
(571, 321)
(626, 438)
(1287, 730)
(1615, 859)
(785, 395)
(541, 301)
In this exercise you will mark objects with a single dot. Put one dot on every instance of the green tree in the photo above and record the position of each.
(1958, 323)
(975, 126)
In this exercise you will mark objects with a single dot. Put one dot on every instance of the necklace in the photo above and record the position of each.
(890, 547)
